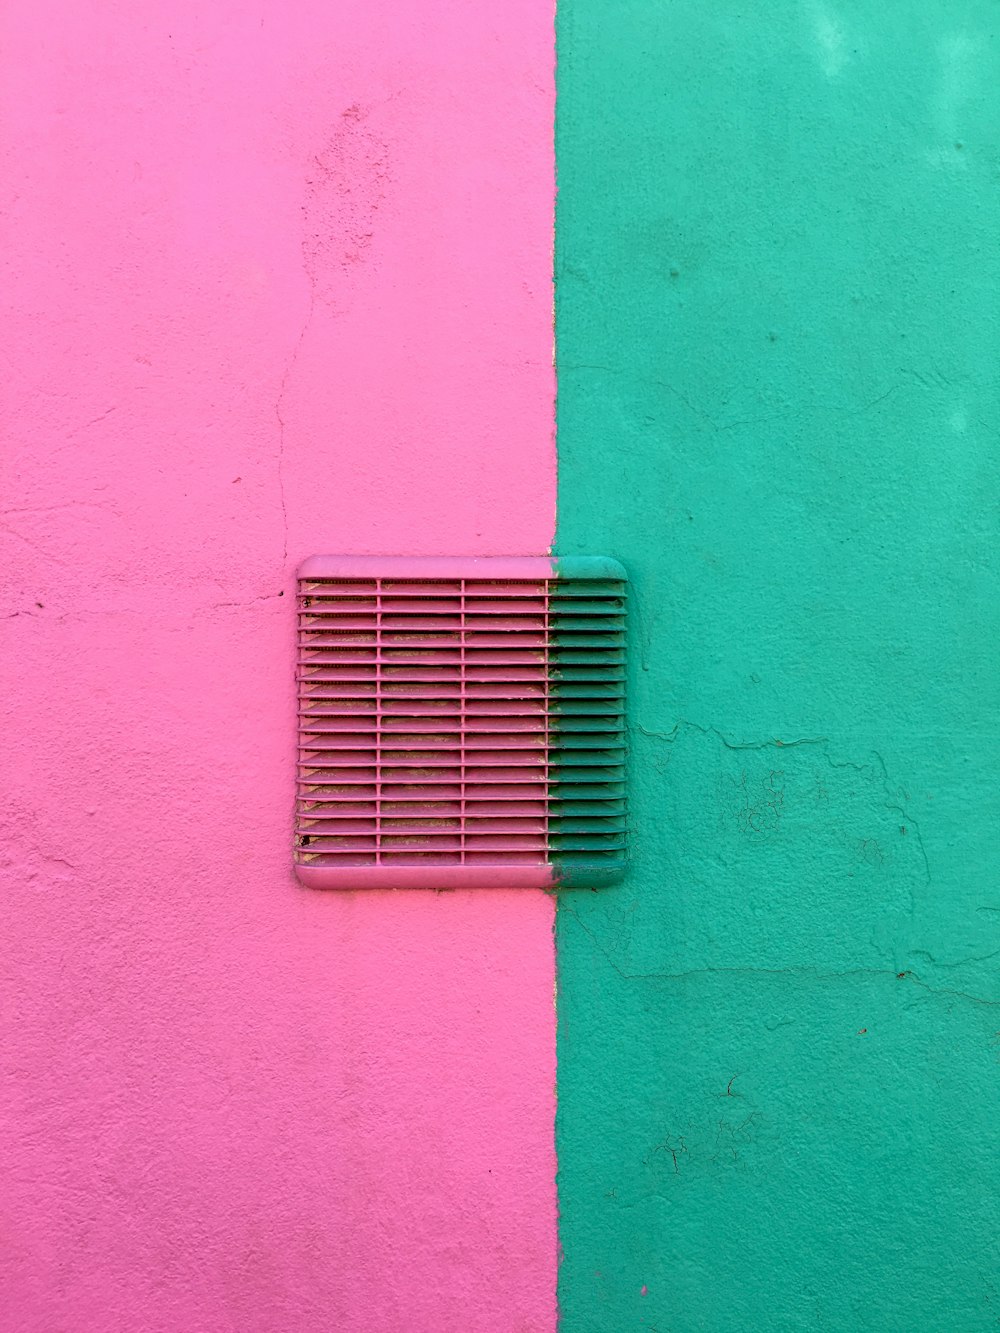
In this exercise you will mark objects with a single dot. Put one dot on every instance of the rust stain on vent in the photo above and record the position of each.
(461, 722)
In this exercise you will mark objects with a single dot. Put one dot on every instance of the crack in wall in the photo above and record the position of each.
(823, 743)
(875, 770)
(670, 736)
(11, 532)
(279, 413)
(801, 971)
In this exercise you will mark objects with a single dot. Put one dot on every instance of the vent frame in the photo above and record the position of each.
(418, 649)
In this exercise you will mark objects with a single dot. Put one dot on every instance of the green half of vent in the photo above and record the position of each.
(587, 721)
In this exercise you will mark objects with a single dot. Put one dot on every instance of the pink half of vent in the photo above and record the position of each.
(423, 722)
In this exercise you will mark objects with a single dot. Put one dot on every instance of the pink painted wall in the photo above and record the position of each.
(277, 281)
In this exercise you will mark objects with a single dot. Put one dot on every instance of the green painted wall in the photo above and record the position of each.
(778, 287)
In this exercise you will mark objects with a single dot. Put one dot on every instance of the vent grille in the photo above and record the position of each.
(461, 722)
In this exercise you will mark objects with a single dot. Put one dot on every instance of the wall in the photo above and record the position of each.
(276, 281)
(777, 317)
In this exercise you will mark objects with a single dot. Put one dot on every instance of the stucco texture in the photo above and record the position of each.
(777, 329)
(276, 280)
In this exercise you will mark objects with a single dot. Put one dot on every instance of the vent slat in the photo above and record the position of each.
(449, 722)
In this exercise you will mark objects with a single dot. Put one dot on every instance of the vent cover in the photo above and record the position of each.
(461, 722)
